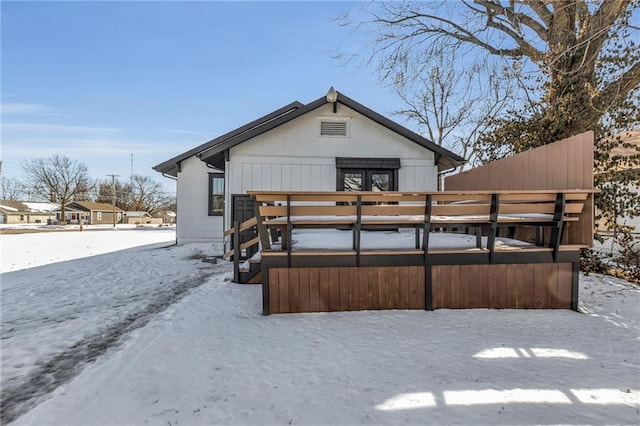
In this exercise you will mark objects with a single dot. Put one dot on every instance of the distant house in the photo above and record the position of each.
(141, 218)
(167, 216)
(332, 143)
(12, 212)
(90, 213)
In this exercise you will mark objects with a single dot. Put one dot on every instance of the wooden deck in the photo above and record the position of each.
(540, 274)
(543, 197)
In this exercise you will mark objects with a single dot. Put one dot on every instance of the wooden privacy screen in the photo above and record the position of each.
(565, 164)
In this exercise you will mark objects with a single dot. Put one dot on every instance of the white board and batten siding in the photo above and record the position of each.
(295, 157)
(194, 225)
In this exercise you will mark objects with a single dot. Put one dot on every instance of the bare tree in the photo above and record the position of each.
(11, 189)
(104, 193)
(58, 179)
(561, 44)
(452, 103)
(147, 194)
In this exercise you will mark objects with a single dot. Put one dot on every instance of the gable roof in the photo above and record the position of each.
(12, 206)
(212, 152)
(104, 207)
(171, 167)
(27, 206)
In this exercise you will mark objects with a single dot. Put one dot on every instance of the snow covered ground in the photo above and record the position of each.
(153, 335)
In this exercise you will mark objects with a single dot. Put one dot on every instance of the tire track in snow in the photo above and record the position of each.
(64, 366)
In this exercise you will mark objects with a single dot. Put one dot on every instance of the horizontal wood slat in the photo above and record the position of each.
(251, 242)
(243, 226)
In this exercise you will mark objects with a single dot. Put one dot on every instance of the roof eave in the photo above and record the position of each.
(446, 159)
(172, 166)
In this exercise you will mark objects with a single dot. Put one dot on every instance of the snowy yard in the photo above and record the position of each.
(151, 334)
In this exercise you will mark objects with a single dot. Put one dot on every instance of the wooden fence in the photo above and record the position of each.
(565, 164)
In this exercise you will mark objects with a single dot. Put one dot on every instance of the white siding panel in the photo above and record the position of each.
(193, 222)
(328, 180)
(315, 177)
(286, 178)
(256, 177)
(246, 177)
(305, 176)
(276, 177)
(266, 175)
(295, 177)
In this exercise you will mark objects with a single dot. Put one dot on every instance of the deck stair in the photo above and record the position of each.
(246, 268)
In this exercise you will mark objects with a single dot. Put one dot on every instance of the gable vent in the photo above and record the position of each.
(333, 128)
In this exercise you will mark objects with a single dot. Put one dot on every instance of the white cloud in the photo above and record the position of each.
(57, 128)
(23, 108)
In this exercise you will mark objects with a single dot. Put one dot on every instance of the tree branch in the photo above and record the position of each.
(627, 82)
(515, 19)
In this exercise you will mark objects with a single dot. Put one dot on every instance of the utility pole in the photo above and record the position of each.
(113, 198)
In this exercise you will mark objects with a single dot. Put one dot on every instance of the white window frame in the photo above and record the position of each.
(99, 216)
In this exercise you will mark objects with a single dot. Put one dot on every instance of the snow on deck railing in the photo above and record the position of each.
(283, 211)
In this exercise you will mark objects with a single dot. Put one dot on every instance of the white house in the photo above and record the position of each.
(332, 143)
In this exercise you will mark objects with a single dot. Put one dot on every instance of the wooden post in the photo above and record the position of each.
(289, 231)
(236, 251)
(493, 227)
(358, 228)
(558, 219)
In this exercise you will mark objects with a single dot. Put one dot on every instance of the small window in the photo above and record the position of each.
(334, 128)
(98, 216)
(216, 194)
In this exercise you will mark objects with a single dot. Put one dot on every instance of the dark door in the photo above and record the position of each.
(244, 209)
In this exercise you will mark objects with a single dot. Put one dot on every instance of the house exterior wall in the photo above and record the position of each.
(294, 157)
(27, 217)
(193, 222)
(104, 217)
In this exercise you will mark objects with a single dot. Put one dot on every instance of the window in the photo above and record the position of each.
(367, 174)
(332, 127)
(367, 180)
(216, 194)
(98, 216)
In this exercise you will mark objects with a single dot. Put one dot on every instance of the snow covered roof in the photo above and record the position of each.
(28, 206)
(7, 208)
(41, 207)
(137, 214)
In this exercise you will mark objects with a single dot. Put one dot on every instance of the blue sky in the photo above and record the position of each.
(99, 81)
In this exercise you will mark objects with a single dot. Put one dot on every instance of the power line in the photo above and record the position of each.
(113, 198)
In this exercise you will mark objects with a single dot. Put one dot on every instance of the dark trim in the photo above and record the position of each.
(262, 230)
(265, 291)
(366, 178)
(428, 289)
(575, 285)
(367, 163)
(358, 228)
(172, 166)
(493, 226)
(556, 231)
(289, 240)
(348, 258)
(236, 252)
(448, 159)
(210, 195)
